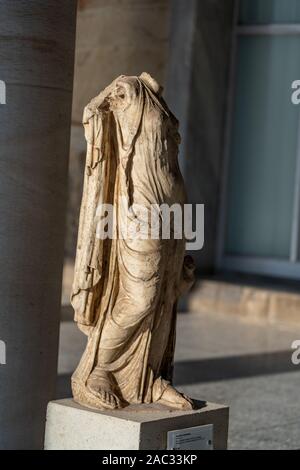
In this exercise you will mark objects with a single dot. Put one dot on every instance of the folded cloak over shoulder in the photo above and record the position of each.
(127, 290)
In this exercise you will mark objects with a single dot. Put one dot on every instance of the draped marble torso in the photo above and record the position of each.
(126, 288)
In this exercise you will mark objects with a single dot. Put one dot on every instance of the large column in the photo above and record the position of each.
(36, 62)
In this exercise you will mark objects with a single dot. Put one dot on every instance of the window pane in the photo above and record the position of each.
(269, 11)
(264, 146)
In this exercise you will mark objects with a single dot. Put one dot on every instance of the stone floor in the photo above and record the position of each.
(226, 360)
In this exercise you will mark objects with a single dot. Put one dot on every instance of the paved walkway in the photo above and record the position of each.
(225, 360)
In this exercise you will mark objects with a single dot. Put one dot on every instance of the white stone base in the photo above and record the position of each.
(71, 426)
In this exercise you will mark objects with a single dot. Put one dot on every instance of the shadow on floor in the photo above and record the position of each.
(63, 386)
(214, 369)
(233, 367)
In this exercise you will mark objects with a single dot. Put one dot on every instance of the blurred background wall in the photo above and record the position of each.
(227, 69)
(197, 91)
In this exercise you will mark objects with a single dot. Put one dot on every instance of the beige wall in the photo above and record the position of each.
(117, 37)
(114, 37)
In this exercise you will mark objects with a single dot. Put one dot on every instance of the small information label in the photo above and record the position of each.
(196, 438)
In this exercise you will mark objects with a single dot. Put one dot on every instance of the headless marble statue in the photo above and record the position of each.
(125, 290)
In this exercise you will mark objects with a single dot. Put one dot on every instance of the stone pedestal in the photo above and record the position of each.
(73, 427)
